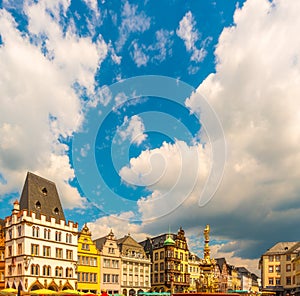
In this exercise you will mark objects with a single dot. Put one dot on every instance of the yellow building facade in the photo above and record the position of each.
(88, 266)
(278, 270)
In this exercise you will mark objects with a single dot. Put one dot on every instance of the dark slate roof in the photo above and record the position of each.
(243, 270)
(40, 195)
(100, 242)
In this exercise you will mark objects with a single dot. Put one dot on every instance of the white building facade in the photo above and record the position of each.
(41, 249)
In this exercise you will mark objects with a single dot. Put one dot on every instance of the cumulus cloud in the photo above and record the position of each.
(253, 92)
(138, 54)
(132, 22)
(156, 52)
(188, 32)
(38, 102)
(132, 129)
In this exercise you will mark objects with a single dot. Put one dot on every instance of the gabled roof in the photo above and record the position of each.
(127, 242)
(40, 195)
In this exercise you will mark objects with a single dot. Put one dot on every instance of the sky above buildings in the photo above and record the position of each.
(151, 115)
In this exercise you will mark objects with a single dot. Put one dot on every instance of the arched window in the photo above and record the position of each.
(56, 271)
(35, 269)
(49, 232)
(33, 230)
(37, 232)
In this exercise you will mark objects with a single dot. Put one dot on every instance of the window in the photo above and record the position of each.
(69, 272)
(47, 233)
(271, 268)
(115, 278)
(9, 251)
(93, 261)
(20, 249)
(58, 271)
(19, 230)
(85, 247)
(288, 280)
(161, 277)
(156, 267)
(181, 256)
(35, 231)
(46, 251)
(46, 270)
(9, 270)
(156, 256)
(277, 258)
(58, 253)
(69, 238)
(10, 234)
(271, 258)
(35, 249)
(106, 263)
(69, 254)
(288, 257)
(115, 263)
(277, 268)
(111, 250)
(35, 269)
(19, 268)
(106, 278)
(58, 236)
(288, 267)
(277, 281)
(162, 266)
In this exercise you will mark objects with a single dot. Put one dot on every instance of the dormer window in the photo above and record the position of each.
(44, 191)
(38, 205)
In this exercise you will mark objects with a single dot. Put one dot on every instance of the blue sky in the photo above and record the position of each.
(149, 115)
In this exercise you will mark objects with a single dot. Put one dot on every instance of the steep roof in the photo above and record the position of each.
(100, 242)
(280, 248)
(40, 195)
(221, 262)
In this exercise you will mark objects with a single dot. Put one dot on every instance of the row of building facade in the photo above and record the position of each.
(40, 249)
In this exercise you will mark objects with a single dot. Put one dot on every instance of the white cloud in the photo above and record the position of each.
(138, 55)
(172, 172)
(38, 102)
(132, 129)
(163, 45)
(118, 224)
(132, 22)
(190, 35)
(254, 93)
(156, 52)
